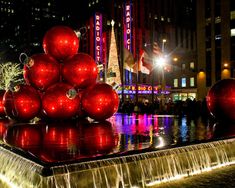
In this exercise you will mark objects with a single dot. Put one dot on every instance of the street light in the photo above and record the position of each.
(163, 45)
(160, 61)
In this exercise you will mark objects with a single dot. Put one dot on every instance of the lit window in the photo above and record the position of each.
(183, 82)
(183, 66)
(232, 15)
(191, 65)
(175, 82)
(232, 32)
(192, 82)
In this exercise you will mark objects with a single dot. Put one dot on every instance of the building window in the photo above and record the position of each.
(192, 82)
(183, 66)
(183, 82)
(191, 65)
(175, 82)
(232, 32)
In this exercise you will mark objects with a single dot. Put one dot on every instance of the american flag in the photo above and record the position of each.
(156, 50)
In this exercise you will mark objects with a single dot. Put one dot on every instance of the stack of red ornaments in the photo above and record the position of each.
(60, 83)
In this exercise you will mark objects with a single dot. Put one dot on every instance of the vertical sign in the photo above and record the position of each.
(128, 27)
(98, 37)
(128, 36)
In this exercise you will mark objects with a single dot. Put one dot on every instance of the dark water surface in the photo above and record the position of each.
(136, 150)
(120, 135)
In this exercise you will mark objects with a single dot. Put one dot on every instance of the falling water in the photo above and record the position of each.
(146, 169)
(139, 170)
(17, 171)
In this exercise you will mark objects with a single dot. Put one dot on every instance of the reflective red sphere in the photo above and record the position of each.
(41, 71)
(60, 142)
(99, 138)
(27, 137)
(100, 101)
(60, 101)
(60, 42)
(2, 111)
(221, 100)
(4, 124)
(23, 103)
(80, 70)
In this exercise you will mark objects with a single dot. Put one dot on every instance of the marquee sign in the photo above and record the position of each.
(142, 89)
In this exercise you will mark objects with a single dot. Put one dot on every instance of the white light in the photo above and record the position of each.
(232, 32)
(160, 61)
(112, 23)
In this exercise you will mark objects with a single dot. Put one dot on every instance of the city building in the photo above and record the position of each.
(144, 31)
(139, 24)
(215, 42)
(23, 24)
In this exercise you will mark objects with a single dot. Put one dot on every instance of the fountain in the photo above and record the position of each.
(126, 151)
(111, 151)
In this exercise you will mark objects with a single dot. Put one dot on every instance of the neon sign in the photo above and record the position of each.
(142, 89)
(128, 29)
(98, 37)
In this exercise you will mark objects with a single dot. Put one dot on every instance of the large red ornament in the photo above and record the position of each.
(60, 42)
(99, 138)
(60, 101)
(100, 101)
(80, 70)
(2, 111)
(41, 71)
(221, 100)
(25, 136)
(23, 103)
(60, 142)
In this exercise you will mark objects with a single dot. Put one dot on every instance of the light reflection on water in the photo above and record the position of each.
(146, 130)
(121, 134)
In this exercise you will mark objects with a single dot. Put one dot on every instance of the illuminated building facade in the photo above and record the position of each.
(215, 42)
(140, 23)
